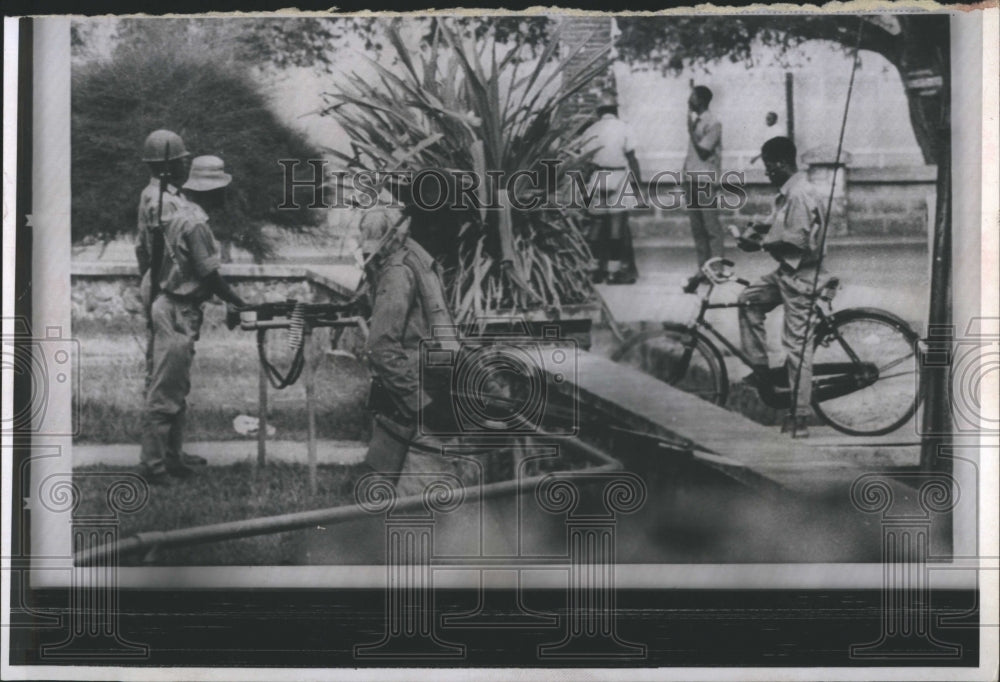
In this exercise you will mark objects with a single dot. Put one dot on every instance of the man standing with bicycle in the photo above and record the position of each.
(792, 236)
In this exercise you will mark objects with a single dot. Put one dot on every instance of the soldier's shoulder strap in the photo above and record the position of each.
(431, 290)
(179, 211)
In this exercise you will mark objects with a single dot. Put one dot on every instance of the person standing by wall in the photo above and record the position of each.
(609, 236)
(702, 171)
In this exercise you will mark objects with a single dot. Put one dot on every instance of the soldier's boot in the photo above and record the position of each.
(155, 446)
(175, 448)
(177, 442)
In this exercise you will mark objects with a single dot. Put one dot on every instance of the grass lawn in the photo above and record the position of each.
(219, 494)
(224, 384)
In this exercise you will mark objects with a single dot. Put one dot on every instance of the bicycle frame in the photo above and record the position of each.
(830, 380)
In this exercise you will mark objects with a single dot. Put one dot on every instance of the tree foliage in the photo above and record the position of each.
(910, 42)
(213, 104)
(275, 43)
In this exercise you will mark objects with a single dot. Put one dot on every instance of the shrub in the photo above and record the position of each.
(462, 107)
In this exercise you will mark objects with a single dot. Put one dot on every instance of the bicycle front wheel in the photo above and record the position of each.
(880, 339)
(681, 357)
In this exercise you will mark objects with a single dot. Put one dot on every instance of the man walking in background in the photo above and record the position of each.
(614, 157)
(186, 275)
(702, 169)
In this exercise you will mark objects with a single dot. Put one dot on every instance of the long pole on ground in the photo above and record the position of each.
(790, 105)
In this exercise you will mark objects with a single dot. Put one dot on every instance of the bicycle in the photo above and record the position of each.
(865, 361)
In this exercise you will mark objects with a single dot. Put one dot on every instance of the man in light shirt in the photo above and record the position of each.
(702, 169)
(609, 236)
(793, 236)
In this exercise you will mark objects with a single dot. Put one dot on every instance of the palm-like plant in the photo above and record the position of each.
(463, 108)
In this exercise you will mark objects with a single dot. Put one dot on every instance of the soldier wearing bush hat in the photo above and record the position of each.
(188, 276)
(408, 305)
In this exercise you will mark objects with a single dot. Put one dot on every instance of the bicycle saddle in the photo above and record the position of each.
(718, 269)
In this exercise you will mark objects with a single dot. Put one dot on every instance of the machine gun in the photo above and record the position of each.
(299, 318)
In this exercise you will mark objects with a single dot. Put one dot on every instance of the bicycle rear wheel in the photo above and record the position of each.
(887, 343)
(681, 357)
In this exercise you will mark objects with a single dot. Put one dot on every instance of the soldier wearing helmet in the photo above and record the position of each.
(166, 156)
(188, 275)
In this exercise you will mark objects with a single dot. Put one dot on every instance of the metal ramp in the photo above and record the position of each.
(756, 455)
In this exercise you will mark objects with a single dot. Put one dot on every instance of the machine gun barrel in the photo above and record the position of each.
(281, 315)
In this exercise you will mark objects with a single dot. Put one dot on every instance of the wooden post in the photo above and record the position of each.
(262, 409)
(310, 371)
(790, 106)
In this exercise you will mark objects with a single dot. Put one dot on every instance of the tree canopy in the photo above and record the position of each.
(213, 104)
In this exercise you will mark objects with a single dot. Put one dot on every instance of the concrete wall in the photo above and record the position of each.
(880, 203)
(590, 34)
(878, 133)
(889, 191)
(109, 293)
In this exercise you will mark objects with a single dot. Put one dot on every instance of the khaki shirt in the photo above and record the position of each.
(404, 311)
(149, 203)
(796, 224)
(190, 252)
(708, 134)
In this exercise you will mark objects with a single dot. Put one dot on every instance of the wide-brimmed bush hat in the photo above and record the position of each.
(607, 99)
(207, 173)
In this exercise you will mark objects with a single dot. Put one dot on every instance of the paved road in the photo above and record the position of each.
(894, 277)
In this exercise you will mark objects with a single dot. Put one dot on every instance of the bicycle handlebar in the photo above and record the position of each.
(719, 270)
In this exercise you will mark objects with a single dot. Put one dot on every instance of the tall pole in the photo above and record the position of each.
(262, 409)
(790, 106)
(935, 375)
(311, 362)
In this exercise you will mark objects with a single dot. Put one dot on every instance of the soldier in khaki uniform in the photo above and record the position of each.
(167, 157)
(792, 236)
(188, 276)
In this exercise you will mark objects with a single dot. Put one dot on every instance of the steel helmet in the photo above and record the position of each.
(163, 145)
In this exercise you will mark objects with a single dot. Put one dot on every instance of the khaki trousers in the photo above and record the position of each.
(176, 327)
(411, 462)
(793, 290)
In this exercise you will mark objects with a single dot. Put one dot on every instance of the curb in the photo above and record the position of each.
(226, 452)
